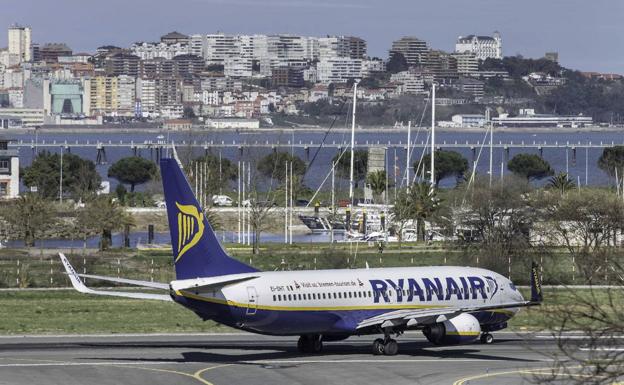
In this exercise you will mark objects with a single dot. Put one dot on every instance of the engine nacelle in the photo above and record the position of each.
(458, 330)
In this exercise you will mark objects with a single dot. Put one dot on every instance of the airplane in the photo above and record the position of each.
(450, 305)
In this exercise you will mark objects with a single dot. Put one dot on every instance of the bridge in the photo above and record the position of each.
(156, 148)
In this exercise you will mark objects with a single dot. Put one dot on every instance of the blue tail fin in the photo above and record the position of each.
(196, 250)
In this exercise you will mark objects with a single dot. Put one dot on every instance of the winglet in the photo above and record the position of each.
(73, 276)
(80, 286)
(536, 284)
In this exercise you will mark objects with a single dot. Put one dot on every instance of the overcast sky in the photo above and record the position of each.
(589, 35)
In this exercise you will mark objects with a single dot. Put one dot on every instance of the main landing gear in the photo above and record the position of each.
(385, 346)
(486, 338)
(310, 344)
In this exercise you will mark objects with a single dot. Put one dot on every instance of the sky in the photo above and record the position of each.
(588, 35)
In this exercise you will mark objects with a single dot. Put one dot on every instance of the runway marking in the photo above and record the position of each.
(604, 349)
(197, 375)
(465, 380)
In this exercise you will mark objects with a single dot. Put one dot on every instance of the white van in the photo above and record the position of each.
(222, 200)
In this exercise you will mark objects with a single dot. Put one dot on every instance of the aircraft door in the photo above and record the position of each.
(252, 300)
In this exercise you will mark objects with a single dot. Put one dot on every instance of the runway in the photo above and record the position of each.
(230, 359)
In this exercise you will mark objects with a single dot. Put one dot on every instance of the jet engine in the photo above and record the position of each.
(463, 328)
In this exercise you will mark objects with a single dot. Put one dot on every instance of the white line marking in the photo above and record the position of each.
(604, 349)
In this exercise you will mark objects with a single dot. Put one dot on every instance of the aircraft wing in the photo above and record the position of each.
(413, 317)
(80, 286)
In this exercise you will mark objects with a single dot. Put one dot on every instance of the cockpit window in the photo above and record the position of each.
(512, 286)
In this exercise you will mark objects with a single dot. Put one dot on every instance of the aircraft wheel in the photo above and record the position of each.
(316, 345)
(302, 344)
(391, 348)
(378, 347)
(487, 338)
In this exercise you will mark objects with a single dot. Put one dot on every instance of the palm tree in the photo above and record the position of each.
(561, 182)
(418, 203)
(377, 182)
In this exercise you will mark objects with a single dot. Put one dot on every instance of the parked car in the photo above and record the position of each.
(302, 202)
(222, 200)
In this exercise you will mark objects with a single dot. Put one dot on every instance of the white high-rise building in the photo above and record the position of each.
(338, 70)
(483, 47)
(19, 42)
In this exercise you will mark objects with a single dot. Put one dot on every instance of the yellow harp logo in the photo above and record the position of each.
(190, 228)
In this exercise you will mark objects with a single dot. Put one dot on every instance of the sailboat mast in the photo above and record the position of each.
(433, 87)
(351, 182)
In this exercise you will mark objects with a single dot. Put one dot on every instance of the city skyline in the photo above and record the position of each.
(532, 30)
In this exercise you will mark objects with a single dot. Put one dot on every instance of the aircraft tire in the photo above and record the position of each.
(487, 338)
(391, 348)
(302, 344)
(316, 345)
(378, 347)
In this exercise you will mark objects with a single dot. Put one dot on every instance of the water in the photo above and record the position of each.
(321, 166)
(163, 238)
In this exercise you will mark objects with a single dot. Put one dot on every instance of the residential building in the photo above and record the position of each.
(19, 42)
(175, 37)
(443, 65)
(238, 67)
(146, 51)
(287, 77)
(50, 52)
(483, 47)
(467, 63)
(552, 56)
(104, 91)
(9, 171)
(339, 70)
(318, 92)
(341, 46)
(122, 63)
(373, 66)
(470, 86)
(126, 95)
(30, 117)
(409, 82)
(413, 49)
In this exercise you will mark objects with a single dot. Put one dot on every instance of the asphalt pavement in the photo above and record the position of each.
(230, 359)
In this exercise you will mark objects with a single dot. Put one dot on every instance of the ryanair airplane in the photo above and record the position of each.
(450, 305)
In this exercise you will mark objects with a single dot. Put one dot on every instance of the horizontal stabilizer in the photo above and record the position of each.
(80, 286)
(202, 285)
(153, 285)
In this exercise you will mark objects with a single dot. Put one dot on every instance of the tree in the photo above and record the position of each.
(360, 165)
(418, 203)
(447, 163)
(28, 216)
(132, 170)
(80, 177)
(396, 63)
(561, 182)
(189, 113)
(612, 159)
(530, 166)
(102, 215)
(274, 165)
(216, 172)
(377, 182)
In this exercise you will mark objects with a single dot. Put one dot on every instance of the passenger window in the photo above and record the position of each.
(334, 295)
(289, 297)
(274, 298)
(339, 295)
(323, 295)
